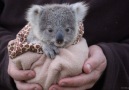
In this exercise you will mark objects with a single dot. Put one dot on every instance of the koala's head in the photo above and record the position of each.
(56, 23)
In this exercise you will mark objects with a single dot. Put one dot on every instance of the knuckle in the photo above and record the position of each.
(18, 85)
(95, 76)
(104, 64)
(8, 71)
(90, 86)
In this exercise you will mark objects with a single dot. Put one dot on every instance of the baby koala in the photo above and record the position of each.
(55, 26)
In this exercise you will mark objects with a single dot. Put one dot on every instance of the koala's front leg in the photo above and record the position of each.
(50, 50)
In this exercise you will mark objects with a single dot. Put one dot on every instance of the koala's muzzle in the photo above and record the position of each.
(59, 37)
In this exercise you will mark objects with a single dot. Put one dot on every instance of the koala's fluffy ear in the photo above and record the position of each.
(33, 13)
(80, 9)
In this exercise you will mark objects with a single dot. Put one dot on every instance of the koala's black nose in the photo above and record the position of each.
(59, 37)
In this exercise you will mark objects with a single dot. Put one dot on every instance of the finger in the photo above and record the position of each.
(19, 75)
(91, 64)
(96, 59)
(22, 75)
(83, 79)
(73, 81)
(27, 86)
(56, 87)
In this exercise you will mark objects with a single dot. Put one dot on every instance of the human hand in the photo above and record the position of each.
(20, 76)
(93, 68)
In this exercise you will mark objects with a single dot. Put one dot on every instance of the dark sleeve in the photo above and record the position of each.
(5, 80)
(116, 75)
(6, 83)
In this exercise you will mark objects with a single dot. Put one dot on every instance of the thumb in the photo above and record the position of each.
(95, 59)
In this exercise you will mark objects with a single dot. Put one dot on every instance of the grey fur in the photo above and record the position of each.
(55, 26)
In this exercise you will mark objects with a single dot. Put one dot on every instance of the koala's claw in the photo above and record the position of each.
(51, 55)
(56, 50)
(51, 51)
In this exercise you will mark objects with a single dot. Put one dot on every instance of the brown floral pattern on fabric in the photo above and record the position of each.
(20, 45)
(80, 34)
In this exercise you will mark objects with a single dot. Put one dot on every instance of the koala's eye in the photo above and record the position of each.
(50, 30)
(67, 30)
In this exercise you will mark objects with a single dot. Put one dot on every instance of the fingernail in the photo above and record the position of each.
(30, 75)
(63, 84)
(89, 67)
(54, 88)
(35, 88)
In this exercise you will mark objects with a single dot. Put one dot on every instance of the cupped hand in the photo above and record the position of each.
(93, 69)
(20, 76)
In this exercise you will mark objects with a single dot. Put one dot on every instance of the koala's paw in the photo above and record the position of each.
(51, 51)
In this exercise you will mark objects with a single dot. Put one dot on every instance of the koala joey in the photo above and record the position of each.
(55, 26)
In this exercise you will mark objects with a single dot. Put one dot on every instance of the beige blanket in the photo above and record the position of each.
(68, 63)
